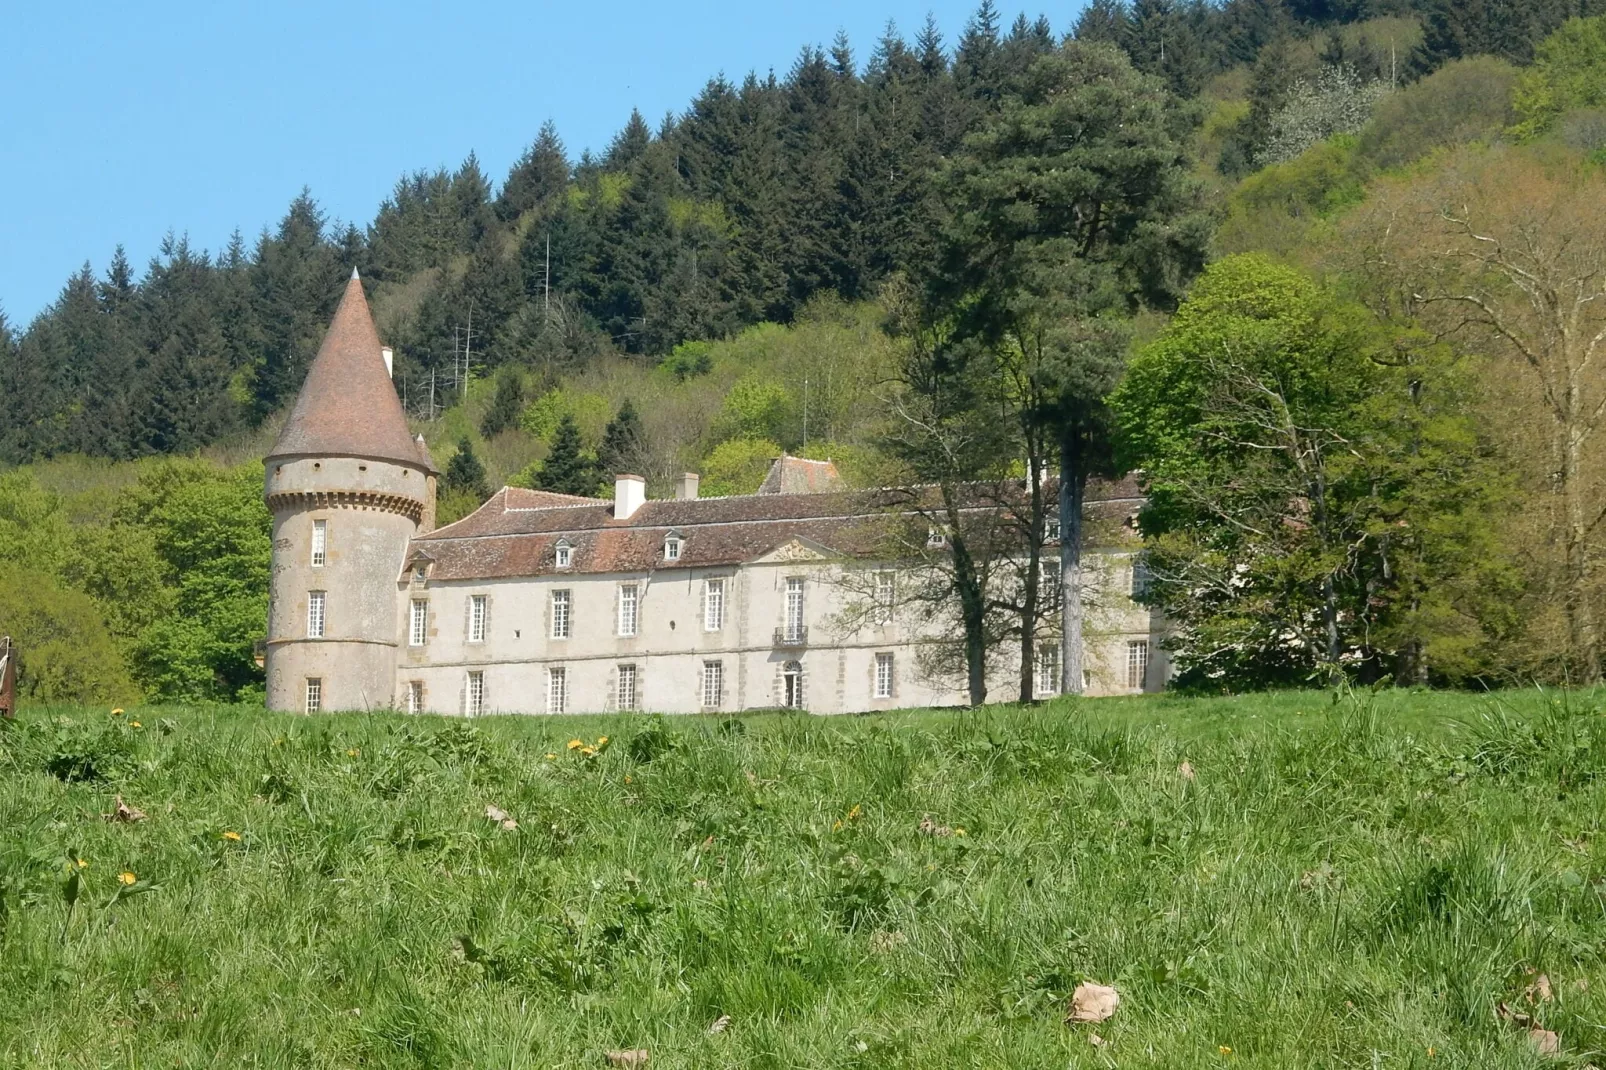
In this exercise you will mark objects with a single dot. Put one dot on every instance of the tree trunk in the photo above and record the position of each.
(972, 603)
(1583, 632)
(1033, 593)
(1073, 485)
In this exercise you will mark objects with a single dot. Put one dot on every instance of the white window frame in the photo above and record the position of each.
(314, 701)
(317, 614)
(1046, 673)
(714, 605)
(886, 595)
(792, 697)
(564, 557)
(713, 685)
(1051, 528)
(418, 622)
(562, 613)
(885, 675)
(936, 538)
(474, 693)
(629, 609)
(1137, 664)
(796, 609)
(557, 689)
(415, 696)
(627, 682)
(479, 610)
(672, 548)
(320, 543)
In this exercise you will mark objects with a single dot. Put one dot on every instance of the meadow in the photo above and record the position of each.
(1291, 880)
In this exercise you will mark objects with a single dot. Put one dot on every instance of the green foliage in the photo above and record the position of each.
(737, 466)
(624, 442)
(1276, 209)
(1319, 500)
(756, 407)
(507, 404)
(589, 411)
(1462, 102)
(688, 360)
(568, 468)
(65, 652)
(1569, 72)
(1382, 851)
(465, 473)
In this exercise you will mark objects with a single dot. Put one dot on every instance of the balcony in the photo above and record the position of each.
(792, 635)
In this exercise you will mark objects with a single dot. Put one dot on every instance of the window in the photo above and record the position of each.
(474, 694)
(885, 597)
(320, 540)
(315, 614)
(1051, 528)
(314, 694)
(418, 627)
(565, 554)
(936, 538)
(792, 685)
(883, 676)
(478, 609)
(557, 690)
(714, 605)
(415, 696)
(1047, 678)
(560, 614)
(629, 596)
(672, 548)
(1140, 578)
(625, 697)
(794, 609)
(713, 684)
(1048, 581)
(1137, 663)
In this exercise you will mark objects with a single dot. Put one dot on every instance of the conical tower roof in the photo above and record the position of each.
(347, 406)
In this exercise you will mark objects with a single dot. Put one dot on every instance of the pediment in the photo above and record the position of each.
(796, 549)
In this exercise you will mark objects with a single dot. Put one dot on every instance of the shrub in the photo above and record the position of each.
(1569, 71)
(1465, 101)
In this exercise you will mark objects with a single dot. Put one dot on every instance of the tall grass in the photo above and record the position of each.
(1336, 884)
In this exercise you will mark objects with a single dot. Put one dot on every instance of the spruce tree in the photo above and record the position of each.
(623, 442)
(541, 174)
(464, 472)
(567, 469)
(506, 404)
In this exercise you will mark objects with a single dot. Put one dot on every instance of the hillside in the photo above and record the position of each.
(1282, 882)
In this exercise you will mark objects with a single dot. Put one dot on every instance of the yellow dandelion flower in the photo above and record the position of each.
(836, 826)
(232, 836)
(1223, 1049)
(83, 863)
(1431, 1053)
(353, 753)
(576, 744)
(854, 813)
(588, 751)
(551, 757)
(278, 743)
(627, 780)
(126, 877)
(133, 724)
(601, 740)
(118, 712)
(959, 830)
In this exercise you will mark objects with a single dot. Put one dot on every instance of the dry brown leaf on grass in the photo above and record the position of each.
(1185, 770)
(719, 1025)
(1092, 1002)
(929, 827)
(1096, 1040)
(1547, 1042)
(632, 1057)
(1538, 990)
(500, 816)
(124, 813)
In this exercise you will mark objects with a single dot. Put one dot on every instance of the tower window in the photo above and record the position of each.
(314, 694)
(883, 676)
(557, 690)
(320, 541)
(418, 626)
(1137, 664)
(625, 698)
(629, 596)
(560, 614)
(315, 614)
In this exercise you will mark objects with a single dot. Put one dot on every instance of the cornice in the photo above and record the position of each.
(300, 500)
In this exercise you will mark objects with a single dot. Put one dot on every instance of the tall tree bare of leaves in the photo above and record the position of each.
(1070, 210)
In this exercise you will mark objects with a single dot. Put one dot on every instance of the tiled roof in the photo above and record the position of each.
(516, 532)
(348, 406)
(799, 475)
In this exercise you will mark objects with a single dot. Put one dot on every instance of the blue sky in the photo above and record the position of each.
(120, 122)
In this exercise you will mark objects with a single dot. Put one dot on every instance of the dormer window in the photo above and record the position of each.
(936, 538)
(672, 547)
(565, 555)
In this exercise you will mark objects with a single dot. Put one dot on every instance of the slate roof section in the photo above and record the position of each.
(799, 475)
(348, 406)
(516, 532)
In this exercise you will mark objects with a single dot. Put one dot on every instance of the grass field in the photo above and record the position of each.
(1325, 883)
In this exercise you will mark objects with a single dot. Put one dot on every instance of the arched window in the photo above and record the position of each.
(792, 685)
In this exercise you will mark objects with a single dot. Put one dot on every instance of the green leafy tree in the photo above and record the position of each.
(1568, 72)
(737, 466)
(1319, 503)
(64, 651)
(567, 469)
(465, 473)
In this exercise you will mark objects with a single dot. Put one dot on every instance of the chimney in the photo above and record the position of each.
(629, 492)
(390, 360)
(686, 487)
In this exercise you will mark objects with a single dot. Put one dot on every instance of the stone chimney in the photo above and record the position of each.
(686, 487)
(629, 493)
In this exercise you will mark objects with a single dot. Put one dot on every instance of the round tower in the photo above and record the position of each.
(348, 487)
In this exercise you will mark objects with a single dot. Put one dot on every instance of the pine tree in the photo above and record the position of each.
(1104, 22)
(540, 175)
(567, 470)
(629, 144)
(296, 282)
(506, 404)
(464, 472)
(624, 442)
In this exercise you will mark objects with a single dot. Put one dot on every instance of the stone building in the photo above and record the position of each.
(541, 602)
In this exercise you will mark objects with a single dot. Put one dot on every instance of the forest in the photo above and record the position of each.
(1331, 274)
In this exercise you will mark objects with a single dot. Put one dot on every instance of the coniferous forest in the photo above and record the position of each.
(1326, 271)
